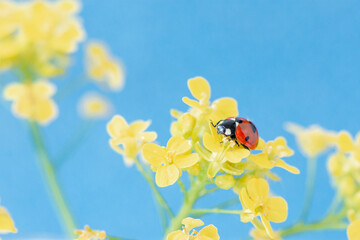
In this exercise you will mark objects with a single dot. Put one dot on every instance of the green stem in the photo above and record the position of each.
(182, 187)
(158, 196)
(53, 185)
(310, 184)
(193, 195)
(215, 210)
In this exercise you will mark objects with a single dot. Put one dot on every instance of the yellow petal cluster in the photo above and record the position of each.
(6, 222)
(94, 106)
(188, 233)
(353, 230)
(256, 202)
(88, 234)
(38, 36)
(128, 139)
(271, 155)
(32, 100)
(313, 140)
(223, 153)
(104, 68)
(169, 161)
(261, 234)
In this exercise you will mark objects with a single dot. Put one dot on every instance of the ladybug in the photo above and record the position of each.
(239, 130)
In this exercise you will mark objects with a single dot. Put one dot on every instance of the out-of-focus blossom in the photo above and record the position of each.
(104, 68)
(256, 202)
(32, 100)
(260, 234)
(38, 36)
(128, 140)
(184, 126)
(94, 106)
(88, 234)
(353, 230)
(207, 233)
(313, 140)
(272, 153)
(6, 222)
(168, 162)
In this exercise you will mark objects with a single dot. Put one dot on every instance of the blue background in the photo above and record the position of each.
(282, 60)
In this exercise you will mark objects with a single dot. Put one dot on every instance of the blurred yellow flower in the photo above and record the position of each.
(256, 202)
(94, 106)
(272, 153)
(353, 230)
(38, 36)
(313, 140)
(103, 68)
(260, 234)
(223, 151)
(89, 234)
(207, 233)
(184, 126)
(6, 222)
(32, 100)
(131, 137)
(168, 162)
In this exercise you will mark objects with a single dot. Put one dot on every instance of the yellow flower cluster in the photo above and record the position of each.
(88, 234)
(103, 68)
(38, 36)
(207, 233)
(94, 106)
(32, 100)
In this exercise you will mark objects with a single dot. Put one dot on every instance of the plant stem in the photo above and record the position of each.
(158, 196)
(215, 210)
(49, 175)
(310, 183)
(185, 210)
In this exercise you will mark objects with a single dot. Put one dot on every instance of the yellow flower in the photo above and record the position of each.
(225, 181)
(40, 34)
(169, 162)
(94, 106)
(353, 230)
(103, 68)
(260, 234)
(89, 234)
(272, 153)
(131, 137)
(184, 126)
(6, 222)
(207, 233)
(256, 202)
(313, 140)
(224, 153)
(32, 100)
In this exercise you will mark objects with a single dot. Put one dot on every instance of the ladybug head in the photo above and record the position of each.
(221, 129)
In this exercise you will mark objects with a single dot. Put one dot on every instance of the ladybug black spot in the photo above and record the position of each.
(253, 127)
(247, 138)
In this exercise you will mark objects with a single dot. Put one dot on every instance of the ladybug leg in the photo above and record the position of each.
(245, 147)
(237, 143)
(215, 124)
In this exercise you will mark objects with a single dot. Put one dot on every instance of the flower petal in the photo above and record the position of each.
(345, 142)
(191, 223)
(167, 175)
(177, 235)
(236, 154)
(178, 144)
(209, 232)
(6, 223)
(185, 161)
(14, 91)
(213, 169)
(224, 108)
(43, 89)
(276, 209)
(139, 126)
(284, 165)
(258, 189)
(192, 103)
(45, 111)
(154, 154)
(116, 125)
(267, 226)
(211, 143)
(262, 160)
(199, 88)
(246, 201)
(148, 136)
(353, 230)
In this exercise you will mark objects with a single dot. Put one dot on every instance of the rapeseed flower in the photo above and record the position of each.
(169, 161)
(261, 234)
(225, 181)
(128, 140)
(32, 100)
(313, 140)
(271, 155)
(104, 68)
(188, 233)
(6, 222)
(256, 202)
(88, 234)
(38, 36)
(353, 230)
(94, 106)
(223, 152)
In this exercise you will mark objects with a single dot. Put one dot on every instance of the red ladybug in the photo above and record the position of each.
(240, 130)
